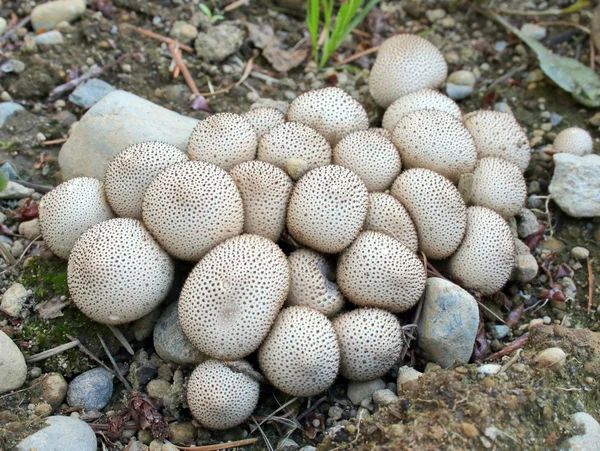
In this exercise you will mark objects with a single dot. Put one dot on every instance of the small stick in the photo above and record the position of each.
(35, 186)
(87, 352)
(22, 254)
(591, 285)
(112, 360)
(184, 70)
(220, 446)
(50, 352)
(492, 313)
(565, 23)
(263, 435)
(247, 71)
(177, 69)
(160, 37)
(121, 338)
(235, 5)
(21, 391)
(507, 75)
(513, 359)
(357, 56)
(53, 142)
(519, 342)
(8, 33)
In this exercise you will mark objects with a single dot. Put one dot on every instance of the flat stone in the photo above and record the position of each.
(501, 331)
(13, 370)
(533, 31)
(15, 191)
(13, 299)
(90, 93)
(49, 38)
(528, 223)
(183, 31)
(30, 229)
(588, 437)
(91, 389)
(7, 109)
(62, 433)
(219, 42)
(407, 374)
(357, 391)
(46, 16)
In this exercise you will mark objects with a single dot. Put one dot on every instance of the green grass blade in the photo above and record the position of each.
(361, 16)
(312, 20)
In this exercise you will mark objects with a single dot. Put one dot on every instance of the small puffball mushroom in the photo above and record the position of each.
(131, 171)
(574, 140)
(69, 210)
(423, 99)
(191, 207)
(498, 134)
(405, 63)
(294, 142)
(327, 209)
(219, 397)
(117, 273)
(300, 356)
(435, 140)
(382, 131)
(436, 208)
(379, 271)
(331, 111)
(370, 342)
(486, 257)
(232, 296)
(223, 139)
(310, 285)
(369, 155)
(264, 119)
(500, 186)
(387, 215)
(265, 191)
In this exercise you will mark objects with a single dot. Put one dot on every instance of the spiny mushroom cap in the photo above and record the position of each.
(232, 296)
(117, 273)
(131, 171)
(486, 257)
(498, 134)
(264, 119)
(379, 271)
(405, 63)
(69, 210)
(574, 140)
(435, 140)
(370, 342)
(327, 208)
(436, 208)
(293, 140)
(224, 139)
(300, 356)
(310, 285)
(423, 99)
(331, 111)
(500, 186)
(369, 155)
(382, 131)
(220, 398)
(191, 207)
(387, 215)
(265, 191)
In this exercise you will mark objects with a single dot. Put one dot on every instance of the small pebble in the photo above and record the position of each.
(553, 358)
(580, 253)
(469, 430)
(490, 368)
(460, 84)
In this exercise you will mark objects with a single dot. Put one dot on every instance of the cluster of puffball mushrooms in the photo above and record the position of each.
(362, 204)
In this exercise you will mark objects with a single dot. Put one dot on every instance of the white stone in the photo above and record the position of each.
(30, 229)
(357, 391)
(406, 374)
(62, 433)
(2, 25)
(50, 14)
(384, 397)
(580, 253)
(490, 368)
(13, 299)
(15, 191)
(49, 38)
(575, 185)
(183, 31)
(533, 31)
(588, 438)
(13, 369)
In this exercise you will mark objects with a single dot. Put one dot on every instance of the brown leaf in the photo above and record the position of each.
(260, 35)
(511, 347)
(515, 316)
(51, 309)
(481, 348)
(284, 60)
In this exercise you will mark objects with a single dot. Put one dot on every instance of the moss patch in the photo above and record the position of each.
(46, 278)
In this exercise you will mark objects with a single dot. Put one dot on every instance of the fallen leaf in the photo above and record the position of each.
(481, 349)
(51, 309)
(284, 60)
(200, 103)
(260, 35)
(515, 316)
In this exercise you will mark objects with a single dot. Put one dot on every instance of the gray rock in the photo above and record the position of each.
(528, 223)
(61, 434)
(287, 444)
(15, 191)
(183, 31)
(575, 185)
(30, 229)
(90, 93)
(526, 268)
(219, 42)
(7, 109)
(143, 327)
(406, 374)
(449, 322)
(580, 253)
(335, 412)
(13, 369)
(533, 31)
(503, 107)
(49, 38)
(50, 14)
(308, 448)
(460, 84)
(384, 397)
(280, 105)
(13, 299)
(91, 389)
(501, 331)
(357, 391)
(3, 24)
(588, 436)
(120, 119)
(7, 168)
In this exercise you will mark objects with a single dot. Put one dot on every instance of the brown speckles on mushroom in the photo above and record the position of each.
(387, 215)
(574, 140)
(264, 119)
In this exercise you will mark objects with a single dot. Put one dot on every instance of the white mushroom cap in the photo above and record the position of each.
(264, 119)
(498, 134)
(436, 208)
(310, 285)
(327, 209)
(223, 139)
(131, 171)
(574, 140)
(387, 215)
(300, 356)
(369, 155)
(220, 398)
(423, 99)
(370, 342)
(294, 141)
(435, 140)
(405, 63)
(191, 207)
(69, 210)
(382, 131)
(485, 259)
(265, 191)
(500, 186)
(232, 296)
(330, 111)
(117, 273)
(379, 271)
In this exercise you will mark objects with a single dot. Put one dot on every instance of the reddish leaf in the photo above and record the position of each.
(532, 240)
(6, 231)
(515, 316)
(511, 347)
(554, 294)
(488, 100)
(200, 103)
(115, 425)
(146, 416)
(481, 348)
(563, 271)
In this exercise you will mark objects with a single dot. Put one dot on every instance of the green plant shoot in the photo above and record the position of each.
(206, 10)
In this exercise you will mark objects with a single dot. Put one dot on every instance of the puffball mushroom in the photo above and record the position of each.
(486, 257)
(223, 139)
(117, 273)
(219, 397)
(131, 171)
(379, 271)
(405, 63)
(435, 140)
(574, 140)
(300, 356)
(232, 296)
(69, 210)
(436, 208)
(264, 119)
(369, 155)
(331, 111)
(310, 285)
(191, 207)
(370, 342)
(327, 208)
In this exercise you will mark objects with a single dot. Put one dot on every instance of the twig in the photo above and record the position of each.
(519, 342)
(8, 33)
(357, 56)
(235, 5)
(53, 142)
(565, 23)
(89, 353)
(313, 407)
(50, 352)
(121, 338)
(5, 251)
(490, 311)
(513, 359)
(35, 186)
(263, 435)
(22, 254)
(506, 76)
(177, 69)
(592, 54)
(112, 360)
(247, 71)
(294, 399)
(160, 37)
(591, 285)
(184, 70)
(21, 391)
(220, 446)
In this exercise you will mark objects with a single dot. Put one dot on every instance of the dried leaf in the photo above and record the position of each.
(563, 271)
(481, 348)
(260, 35)
(200, 103)
(51, 309)
(146, 416)
(284, 60)
(515, 316)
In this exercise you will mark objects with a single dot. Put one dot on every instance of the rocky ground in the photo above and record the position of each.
(504, 398)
